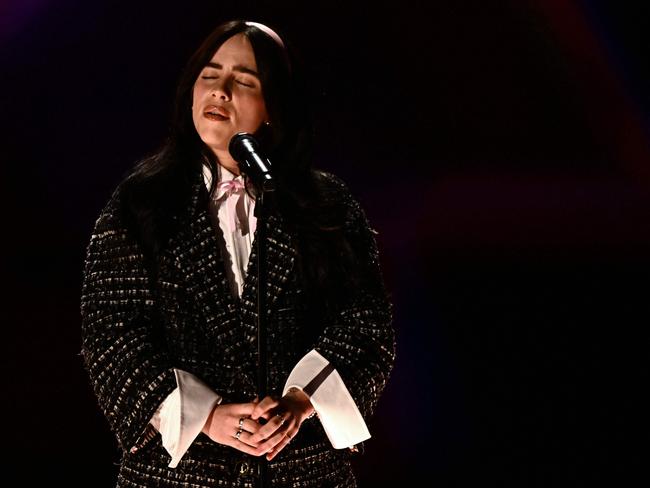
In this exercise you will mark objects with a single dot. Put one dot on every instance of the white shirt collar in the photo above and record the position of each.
(223, 174)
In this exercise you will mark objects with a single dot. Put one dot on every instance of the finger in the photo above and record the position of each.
(251, 426)
(244, 444)
(283, 443)
(270, 443)
(244, 409)
(271, 427)
(266, 416)
(246, 425)
(275, 440)
(250, 437)
(246, 438)
(267, 404)
(290, 434)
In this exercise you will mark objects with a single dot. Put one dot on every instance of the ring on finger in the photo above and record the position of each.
(282, 419)
(238, 434)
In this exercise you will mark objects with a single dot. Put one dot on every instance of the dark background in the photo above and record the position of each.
(501, 150)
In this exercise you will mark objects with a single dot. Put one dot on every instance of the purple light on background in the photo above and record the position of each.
(16, 15)
(617, 117)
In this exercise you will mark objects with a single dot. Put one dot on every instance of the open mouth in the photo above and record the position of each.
(215, 113)
(214, 116)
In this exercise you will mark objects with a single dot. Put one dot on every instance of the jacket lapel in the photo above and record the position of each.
(197, 255)
(281, 256)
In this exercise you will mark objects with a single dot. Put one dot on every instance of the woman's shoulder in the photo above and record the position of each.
(334, 188)
(111, 216)
(338, 192)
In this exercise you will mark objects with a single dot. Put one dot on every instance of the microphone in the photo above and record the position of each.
(244, 149)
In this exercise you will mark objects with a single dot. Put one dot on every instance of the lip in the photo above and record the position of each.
(219, 110)
(214, 118)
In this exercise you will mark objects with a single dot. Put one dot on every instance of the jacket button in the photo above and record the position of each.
(242, 468)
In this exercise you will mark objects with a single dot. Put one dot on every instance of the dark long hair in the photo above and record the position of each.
(159, 186)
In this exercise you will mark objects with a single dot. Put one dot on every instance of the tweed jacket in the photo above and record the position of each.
(136, 330)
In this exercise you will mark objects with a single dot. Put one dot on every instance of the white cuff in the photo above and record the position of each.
(331, 399)
(181, 417)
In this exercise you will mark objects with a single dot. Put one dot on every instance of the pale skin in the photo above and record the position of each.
(284, 417)
(229, 85)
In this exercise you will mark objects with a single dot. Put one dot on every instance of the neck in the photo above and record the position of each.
(226, 160)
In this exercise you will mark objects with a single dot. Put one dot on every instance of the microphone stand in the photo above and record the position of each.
(243, 148)
(261, 212)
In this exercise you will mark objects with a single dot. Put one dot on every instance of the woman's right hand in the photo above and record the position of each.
(223, 423)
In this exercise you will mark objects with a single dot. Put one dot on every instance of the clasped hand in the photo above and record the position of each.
(239, 425)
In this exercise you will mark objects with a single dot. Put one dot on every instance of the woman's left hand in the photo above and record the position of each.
(283, 417)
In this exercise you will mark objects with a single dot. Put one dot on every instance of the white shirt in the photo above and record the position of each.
(182, 415)
(235, 213)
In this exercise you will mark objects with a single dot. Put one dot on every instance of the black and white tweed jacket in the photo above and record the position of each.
(135, 331)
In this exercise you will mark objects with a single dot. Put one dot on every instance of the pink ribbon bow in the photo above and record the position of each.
(229, 187)
(232, 192)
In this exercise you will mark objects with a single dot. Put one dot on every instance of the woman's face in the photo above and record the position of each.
(227, 96)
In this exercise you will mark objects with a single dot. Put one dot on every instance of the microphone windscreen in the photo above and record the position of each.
(242, 144)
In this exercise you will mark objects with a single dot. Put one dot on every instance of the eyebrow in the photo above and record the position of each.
(238, 67)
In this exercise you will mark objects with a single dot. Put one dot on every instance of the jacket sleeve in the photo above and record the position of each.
(359, 339)
(123, 354)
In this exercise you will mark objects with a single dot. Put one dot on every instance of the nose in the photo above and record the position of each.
(221, 89)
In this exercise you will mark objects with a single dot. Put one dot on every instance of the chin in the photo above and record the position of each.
(218, 143)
